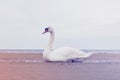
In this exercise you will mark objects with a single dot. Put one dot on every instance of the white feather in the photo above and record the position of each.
(62, 54)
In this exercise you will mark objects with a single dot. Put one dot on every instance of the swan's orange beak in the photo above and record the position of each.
(43, 32)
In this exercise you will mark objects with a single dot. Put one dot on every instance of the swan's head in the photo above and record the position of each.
(48, 29)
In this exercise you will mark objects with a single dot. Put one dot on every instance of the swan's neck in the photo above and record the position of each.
(49, 46)
(51, 40)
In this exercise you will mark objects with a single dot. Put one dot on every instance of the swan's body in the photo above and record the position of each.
(61, 54)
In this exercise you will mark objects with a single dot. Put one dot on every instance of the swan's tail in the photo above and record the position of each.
(86, 55)
(82, 57)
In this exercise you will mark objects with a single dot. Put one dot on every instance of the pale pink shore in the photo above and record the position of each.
(58, 70)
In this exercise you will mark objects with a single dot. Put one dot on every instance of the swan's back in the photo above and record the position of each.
(66, 53)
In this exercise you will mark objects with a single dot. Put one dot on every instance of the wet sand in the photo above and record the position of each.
(58, 70)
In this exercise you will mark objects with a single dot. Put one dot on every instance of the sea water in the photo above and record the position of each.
(99, 56)
(41, 51)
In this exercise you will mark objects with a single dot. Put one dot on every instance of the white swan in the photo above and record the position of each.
(61, 54)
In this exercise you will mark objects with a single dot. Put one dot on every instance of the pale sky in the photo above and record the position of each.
(83, 24)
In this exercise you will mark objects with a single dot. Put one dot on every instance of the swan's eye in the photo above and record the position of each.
(46, 29)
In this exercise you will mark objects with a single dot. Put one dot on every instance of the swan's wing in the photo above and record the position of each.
(66, 53)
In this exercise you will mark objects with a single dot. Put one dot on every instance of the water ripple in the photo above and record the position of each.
(41, 61)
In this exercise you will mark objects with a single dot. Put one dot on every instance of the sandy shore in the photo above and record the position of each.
(58, 70)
